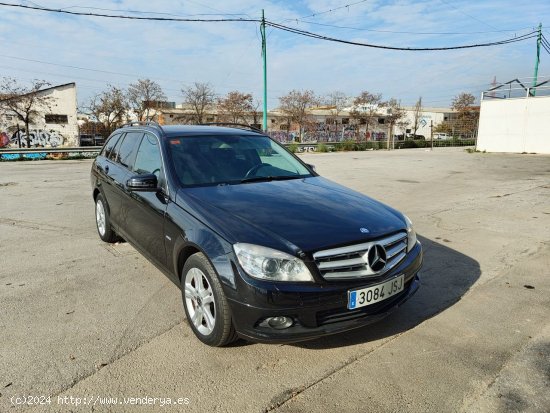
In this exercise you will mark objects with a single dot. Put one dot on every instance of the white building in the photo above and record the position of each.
(51, 127)
(427, 117)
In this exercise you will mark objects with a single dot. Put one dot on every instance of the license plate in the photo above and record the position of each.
(375, 294)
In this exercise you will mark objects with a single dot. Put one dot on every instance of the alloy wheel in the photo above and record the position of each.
(200, 302)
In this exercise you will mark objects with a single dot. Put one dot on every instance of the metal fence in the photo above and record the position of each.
(31, 154)
(518, 88)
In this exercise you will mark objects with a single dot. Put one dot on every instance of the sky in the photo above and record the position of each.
(96, 52)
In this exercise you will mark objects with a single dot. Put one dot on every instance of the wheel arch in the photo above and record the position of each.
(212, 248)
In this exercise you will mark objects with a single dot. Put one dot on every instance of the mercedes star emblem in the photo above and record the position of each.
(376, 257)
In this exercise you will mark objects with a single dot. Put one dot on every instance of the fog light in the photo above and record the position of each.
(280, 323)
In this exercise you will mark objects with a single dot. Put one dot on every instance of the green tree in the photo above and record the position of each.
(467, 115)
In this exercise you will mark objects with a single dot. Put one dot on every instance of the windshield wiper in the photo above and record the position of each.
(269, 178)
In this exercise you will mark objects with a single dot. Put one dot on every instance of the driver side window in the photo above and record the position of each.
(148, 158)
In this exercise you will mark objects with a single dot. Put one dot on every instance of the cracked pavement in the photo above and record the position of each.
(84, 319)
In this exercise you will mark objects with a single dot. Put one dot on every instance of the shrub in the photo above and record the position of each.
(347, 145)
(322, 148)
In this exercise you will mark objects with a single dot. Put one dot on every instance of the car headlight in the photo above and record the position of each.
(269, 264)
(411, 234)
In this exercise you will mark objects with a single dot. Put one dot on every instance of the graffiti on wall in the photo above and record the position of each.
(38, 139)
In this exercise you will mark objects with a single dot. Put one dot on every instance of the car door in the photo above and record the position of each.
(145, 219)
(120, 162)
(106, 167)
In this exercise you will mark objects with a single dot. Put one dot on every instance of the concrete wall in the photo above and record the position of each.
(515, 125)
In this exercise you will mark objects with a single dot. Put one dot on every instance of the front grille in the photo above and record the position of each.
(350, 262)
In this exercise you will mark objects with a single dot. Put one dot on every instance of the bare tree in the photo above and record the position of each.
(199, 96)
(109, 107)
(236, 106)
(256, 112)
(26, 102)
(144, 95)
(366, 108)
(417, 115)
(337, 101)
(395, 115)
(295, 106)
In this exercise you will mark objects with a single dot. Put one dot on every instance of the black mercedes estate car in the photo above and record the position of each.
(261, 246)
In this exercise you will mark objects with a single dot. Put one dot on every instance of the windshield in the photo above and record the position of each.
(231, 159)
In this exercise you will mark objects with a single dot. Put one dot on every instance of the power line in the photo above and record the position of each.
(377, 46)
(281, 27)
(544, 42)
(121, 16)
(407, 32)
(81, 68)
(221, 13)
(466, 14)
(334, 9)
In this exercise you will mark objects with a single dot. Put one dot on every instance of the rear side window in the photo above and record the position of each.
(113, 154)
(108, 148)
(128, 148)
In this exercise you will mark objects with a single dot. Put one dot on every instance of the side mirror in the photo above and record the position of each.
(311, 167)
(146, 182)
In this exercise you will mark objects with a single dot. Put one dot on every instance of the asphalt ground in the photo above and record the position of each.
(96, 327)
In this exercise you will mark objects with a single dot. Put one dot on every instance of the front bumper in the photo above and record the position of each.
(317, 310)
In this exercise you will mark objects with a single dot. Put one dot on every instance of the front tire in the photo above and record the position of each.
(102, 221)
(206, 307)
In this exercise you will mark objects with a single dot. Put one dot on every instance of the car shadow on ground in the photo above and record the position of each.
(445, 277)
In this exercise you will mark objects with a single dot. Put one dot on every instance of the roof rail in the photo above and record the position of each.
(143, 123)
(235, 125)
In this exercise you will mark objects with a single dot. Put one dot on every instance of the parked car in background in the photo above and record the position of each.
(86, 139)
(442, 136)
(416, 137)
(260, 245)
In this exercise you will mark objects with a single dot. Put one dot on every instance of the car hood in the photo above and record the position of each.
(301, 214)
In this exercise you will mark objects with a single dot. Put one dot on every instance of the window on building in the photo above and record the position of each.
(283, 127)
(345, 121)
(56, 118)
(381, 121)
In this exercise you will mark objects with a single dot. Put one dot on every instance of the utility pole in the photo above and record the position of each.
(432, 134)
(537, 60)
(264, 58)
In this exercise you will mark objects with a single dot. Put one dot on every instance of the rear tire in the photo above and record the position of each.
(102, 221)
(206, 307)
